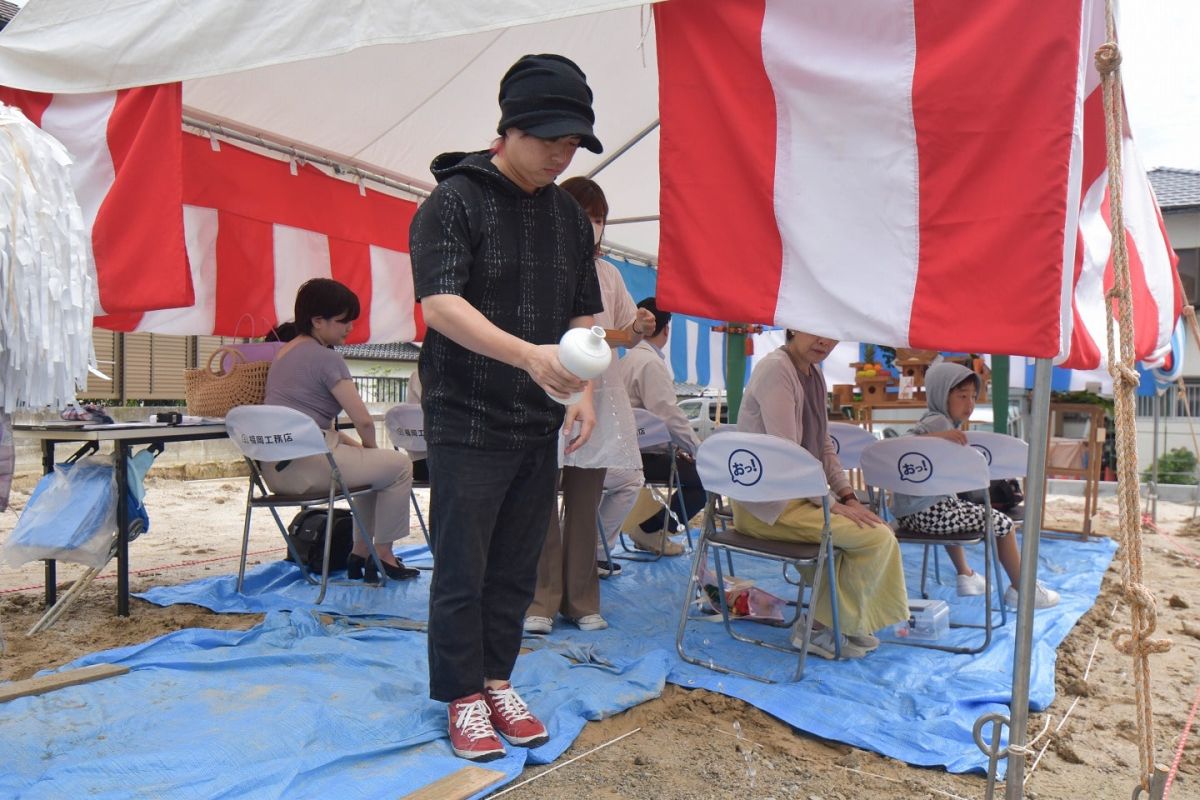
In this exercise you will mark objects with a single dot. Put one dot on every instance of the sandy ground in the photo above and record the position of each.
(694, 744)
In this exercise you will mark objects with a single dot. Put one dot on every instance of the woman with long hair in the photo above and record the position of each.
(310, 376)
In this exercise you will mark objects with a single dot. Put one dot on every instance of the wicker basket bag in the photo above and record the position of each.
(210, 393)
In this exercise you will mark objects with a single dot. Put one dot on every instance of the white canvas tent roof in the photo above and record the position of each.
(373, 84)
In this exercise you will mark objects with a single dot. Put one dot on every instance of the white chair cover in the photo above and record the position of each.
(1006, 456)
(924, 466)
(405, 425)
(758, 467)
(849, 441)
(652, 432)
(274, 433)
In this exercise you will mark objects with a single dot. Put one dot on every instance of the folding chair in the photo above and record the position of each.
(275, 434)
(653, 437)
(849, 441)
(926, 466)
(405, 425)
(759, 467)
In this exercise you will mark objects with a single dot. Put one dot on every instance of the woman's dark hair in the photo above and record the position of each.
(588, 194)
(326, 298)
(661, 318)
(283, 332)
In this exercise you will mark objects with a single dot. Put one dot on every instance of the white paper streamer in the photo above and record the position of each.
(46, 293)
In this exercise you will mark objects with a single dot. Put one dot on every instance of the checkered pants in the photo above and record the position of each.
(953, 515)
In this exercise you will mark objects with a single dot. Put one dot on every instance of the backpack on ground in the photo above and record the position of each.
(307, 532)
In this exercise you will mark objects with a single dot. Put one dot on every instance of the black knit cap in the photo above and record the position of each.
(547, 96)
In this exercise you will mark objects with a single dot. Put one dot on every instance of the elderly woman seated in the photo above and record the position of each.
(786, 397)
(310, 376)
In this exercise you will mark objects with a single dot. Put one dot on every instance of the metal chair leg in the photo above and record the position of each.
(420, 517)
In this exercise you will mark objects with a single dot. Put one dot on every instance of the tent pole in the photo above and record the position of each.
(1034, 504)
(1152, 489)
(620, 151)
(1000, 394)
(735, 371)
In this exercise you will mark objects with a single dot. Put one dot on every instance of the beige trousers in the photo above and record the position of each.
(867, 569)
(567, 582)
(384, 512)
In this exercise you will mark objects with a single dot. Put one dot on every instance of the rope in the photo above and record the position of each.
(1183, 737)
(1132, 640)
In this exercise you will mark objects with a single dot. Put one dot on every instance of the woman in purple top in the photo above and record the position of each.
(310, 376)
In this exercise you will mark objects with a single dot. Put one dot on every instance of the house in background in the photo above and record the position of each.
(148, 368)
(1178, 193)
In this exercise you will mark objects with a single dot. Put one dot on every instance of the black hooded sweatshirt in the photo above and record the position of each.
(525, 262)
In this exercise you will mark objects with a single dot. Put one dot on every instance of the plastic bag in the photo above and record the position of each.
(71, 516)
(744, 599)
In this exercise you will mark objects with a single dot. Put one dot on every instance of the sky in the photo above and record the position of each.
(1160, 43)
(1160, 66)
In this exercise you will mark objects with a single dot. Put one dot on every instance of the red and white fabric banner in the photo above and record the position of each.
(1154, 282)
(192, 240)
(255, 232)
(128, 179)
(914, 174)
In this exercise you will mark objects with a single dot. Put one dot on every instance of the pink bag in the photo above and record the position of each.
(251, 351)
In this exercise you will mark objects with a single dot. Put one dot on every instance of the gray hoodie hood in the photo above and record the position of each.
(939, 380)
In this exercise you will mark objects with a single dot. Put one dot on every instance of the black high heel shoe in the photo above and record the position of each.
(358, 568)
(397, 572)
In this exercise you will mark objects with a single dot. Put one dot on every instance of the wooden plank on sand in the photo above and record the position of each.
(58, 680)
(457, 785)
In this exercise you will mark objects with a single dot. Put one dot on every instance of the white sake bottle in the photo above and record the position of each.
(585, 354)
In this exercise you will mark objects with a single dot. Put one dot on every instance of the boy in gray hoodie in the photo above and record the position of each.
(950, 392)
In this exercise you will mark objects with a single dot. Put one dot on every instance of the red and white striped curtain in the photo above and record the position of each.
(189, 239)
(921, 173)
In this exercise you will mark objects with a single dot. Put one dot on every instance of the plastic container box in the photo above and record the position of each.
(927, 619)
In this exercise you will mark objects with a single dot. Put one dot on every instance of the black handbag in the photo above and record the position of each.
(307, 532)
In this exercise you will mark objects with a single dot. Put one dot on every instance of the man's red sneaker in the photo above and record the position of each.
(471, 733)
(511, 718)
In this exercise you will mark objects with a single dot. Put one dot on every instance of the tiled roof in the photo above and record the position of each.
(1176, 189)
(390, 351)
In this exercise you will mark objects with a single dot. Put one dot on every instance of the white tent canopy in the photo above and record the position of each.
(369, 84)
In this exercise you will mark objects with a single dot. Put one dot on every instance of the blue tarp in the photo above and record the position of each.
(351, 701)
(291, 708)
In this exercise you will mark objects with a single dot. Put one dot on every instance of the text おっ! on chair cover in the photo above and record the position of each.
(849, 441)
(278, 434)
(755, 467)
(927, 466)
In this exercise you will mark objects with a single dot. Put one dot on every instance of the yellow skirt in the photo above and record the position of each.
(867, 568)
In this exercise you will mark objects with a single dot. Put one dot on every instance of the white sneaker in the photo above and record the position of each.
(588, 622)
(821, 643)
(971, 585)
(1042, 598)
(655, 543)
(539, 625)
(866, 641)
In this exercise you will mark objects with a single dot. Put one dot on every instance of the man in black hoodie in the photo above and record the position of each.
(502, 265)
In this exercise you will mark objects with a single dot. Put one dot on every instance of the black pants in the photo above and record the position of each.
(488, 514)
(657, 468)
